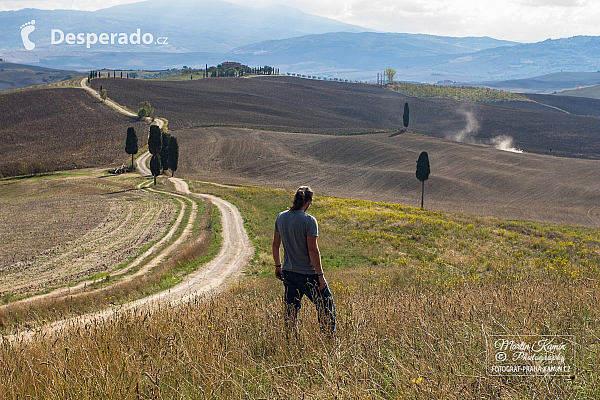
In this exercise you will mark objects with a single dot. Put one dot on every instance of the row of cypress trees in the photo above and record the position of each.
(165, 152)
(163, 147)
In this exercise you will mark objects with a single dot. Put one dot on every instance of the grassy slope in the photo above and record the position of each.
(415, 292)
(592, 92)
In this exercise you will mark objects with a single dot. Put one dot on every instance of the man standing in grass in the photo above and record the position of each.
(301, 271)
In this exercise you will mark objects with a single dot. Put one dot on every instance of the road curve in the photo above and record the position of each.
(236, 251)
(236, 248)
(142, 169)
(116, 106)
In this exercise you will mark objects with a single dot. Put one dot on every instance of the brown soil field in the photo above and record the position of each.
(55, 230)
(300, 105)
(464, 178)
(570, 104)
(259, 103)
(62, 129)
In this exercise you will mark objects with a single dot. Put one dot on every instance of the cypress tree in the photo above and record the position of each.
(155, 166)
(423, 172)
(154, 140)
(405, 116)
(164, 151)
(131, 144)
(173, 154)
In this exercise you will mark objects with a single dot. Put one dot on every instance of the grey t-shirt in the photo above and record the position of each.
(294, 227)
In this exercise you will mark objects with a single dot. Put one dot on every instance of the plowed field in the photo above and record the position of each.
(464, 178)
(60, 129)
(300, 105)
(55, 231)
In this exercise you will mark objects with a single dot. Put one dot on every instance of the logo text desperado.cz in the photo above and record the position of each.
(57, 36)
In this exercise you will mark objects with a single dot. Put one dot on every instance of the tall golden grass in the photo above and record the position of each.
(417, 295)
(395, 341)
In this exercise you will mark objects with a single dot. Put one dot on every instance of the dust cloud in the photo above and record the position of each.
(505, 143)
(468, 134)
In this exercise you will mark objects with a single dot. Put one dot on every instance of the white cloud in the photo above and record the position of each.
(520, 20)
(87, 5)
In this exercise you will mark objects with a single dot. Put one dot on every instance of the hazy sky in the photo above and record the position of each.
(519, 20)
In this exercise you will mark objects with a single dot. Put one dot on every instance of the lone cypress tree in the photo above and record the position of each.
(423, 172)
(154, 140)
(405, 116)
(164, 151)
(155, 166)
(173, 154)
(131, 144)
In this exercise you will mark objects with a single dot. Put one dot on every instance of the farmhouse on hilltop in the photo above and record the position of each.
(234, 65)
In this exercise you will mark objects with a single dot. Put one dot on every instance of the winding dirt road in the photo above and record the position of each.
(236, 251)
(236, 248)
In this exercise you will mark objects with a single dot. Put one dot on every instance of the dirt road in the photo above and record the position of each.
(115, 106)
(236, 248)
(236, 251)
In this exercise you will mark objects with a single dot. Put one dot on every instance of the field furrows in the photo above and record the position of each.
(69, 129)
(299, 105)
(464, 178)
(159, 257)
(130, 223)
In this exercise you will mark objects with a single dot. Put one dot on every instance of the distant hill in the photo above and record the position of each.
(550, 83)
(14, 76)
(202, 32)
(575, 54)
(412, 55)
(424, 58)
(189, 25)
(592, 92)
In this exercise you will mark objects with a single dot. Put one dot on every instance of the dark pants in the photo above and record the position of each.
(296, 286)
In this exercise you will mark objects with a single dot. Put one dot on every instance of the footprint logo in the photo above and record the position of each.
(26, 29)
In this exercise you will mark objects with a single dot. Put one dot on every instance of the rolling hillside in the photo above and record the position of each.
(277, 104)
(212, 120)
(464, 178)
(57, 129)
(300, 105)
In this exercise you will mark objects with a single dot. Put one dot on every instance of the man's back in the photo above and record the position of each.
(295, 226)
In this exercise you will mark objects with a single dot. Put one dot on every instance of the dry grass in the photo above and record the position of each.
(395, 341)
(416, 294)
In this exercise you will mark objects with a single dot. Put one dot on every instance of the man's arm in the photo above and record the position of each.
(276, 254)
(315, 259)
